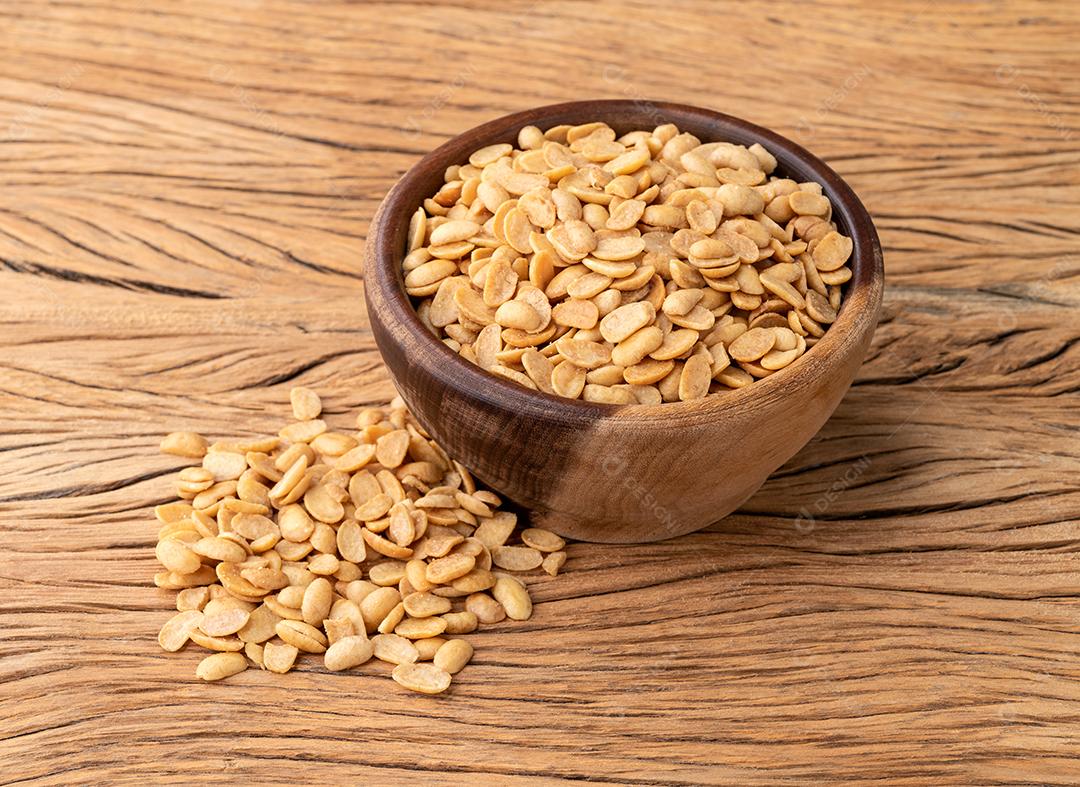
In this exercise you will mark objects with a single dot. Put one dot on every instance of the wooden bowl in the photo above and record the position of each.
(612, 473)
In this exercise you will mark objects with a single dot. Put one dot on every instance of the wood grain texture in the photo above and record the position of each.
(184, 195)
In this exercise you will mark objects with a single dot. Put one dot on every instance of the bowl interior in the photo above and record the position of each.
(862, 294)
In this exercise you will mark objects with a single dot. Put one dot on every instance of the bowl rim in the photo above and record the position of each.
(384, 278)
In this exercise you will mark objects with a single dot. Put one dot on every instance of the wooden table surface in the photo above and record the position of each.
(184, 194)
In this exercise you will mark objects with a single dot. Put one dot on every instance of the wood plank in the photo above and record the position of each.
(184, 193)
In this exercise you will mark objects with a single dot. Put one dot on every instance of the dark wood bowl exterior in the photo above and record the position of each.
(605, 472)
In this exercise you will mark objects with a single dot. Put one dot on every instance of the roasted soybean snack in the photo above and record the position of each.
(339, 547)
(644, 268)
